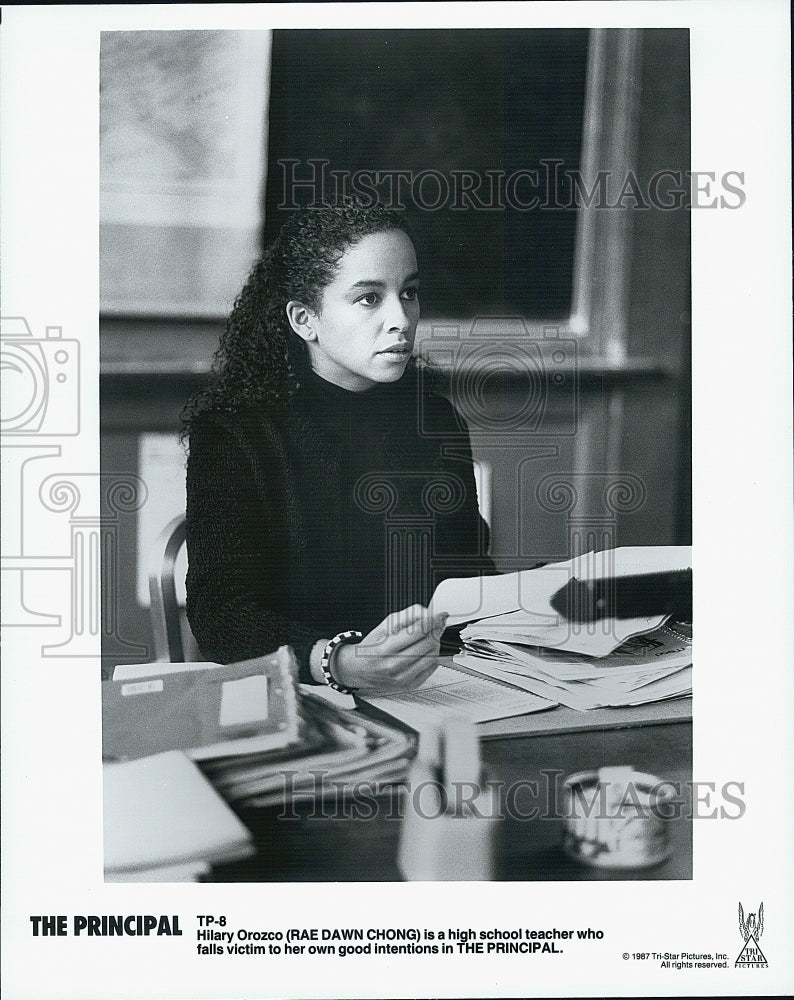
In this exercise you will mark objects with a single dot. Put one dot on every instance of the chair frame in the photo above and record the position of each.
(165, 611)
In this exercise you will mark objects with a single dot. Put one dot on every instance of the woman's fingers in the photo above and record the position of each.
(403, 629)
(406, 618)
(423, 656)
(388, 655)
(400, 653)
(403, 665)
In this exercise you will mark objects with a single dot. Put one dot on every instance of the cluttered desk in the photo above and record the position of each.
(555, 744)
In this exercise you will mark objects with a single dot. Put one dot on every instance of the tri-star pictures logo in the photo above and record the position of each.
(751, 929)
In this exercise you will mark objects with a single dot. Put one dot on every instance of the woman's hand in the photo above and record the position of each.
(399, 654)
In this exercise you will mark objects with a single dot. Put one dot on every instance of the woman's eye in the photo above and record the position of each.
(370, 299)
(410, 294)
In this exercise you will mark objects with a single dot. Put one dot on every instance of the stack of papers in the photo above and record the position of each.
(344, 748)
(205, 709)
(258, 739)
(516, 636)
(593, 639)
(164, 822)
(647, 667)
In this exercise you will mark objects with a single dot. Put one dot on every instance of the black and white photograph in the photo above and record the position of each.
(461, 354)
(378, 420)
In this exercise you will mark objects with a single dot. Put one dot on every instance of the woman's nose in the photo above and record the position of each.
(398, 317)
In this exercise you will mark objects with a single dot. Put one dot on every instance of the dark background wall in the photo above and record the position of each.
(447, 101)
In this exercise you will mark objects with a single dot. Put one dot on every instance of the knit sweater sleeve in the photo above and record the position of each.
(238, 597)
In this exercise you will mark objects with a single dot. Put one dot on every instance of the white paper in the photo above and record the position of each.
(528, 593)
(243, 700)
(484, 596)
(161, 810)
(458, 695)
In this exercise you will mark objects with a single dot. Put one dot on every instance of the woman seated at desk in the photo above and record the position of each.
(328, 489)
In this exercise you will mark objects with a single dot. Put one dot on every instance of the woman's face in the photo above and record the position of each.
(365, 328)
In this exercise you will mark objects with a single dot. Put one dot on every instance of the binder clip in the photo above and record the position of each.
(451, 830)
(616, 818)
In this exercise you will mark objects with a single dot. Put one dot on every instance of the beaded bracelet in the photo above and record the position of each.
(325, 662)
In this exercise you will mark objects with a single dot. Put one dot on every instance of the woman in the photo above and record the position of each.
(328, 491)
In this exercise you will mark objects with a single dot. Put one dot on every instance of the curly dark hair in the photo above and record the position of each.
(260, 359)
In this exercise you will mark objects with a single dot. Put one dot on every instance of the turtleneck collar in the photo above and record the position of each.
(317, 387)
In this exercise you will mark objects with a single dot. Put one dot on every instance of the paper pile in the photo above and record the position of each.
(644, 668)
(205, 709)
(581, 664)
(338, 748)
(257, 737)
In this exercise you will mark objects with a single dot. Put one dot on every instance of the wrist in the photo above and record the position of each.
(315, 660)
(343, 665)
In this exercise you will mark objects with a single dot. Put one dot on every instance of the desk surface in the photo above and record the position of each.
(344, 842)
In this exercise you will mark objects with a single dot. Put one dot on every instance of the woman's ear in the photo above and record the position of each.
(301, 320)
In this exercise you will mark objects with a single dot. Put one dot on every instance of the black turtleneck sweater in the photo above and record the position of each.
(326, 518)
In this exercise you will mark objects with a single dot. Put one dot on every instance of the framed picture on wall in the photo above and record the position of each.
(183, 133)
